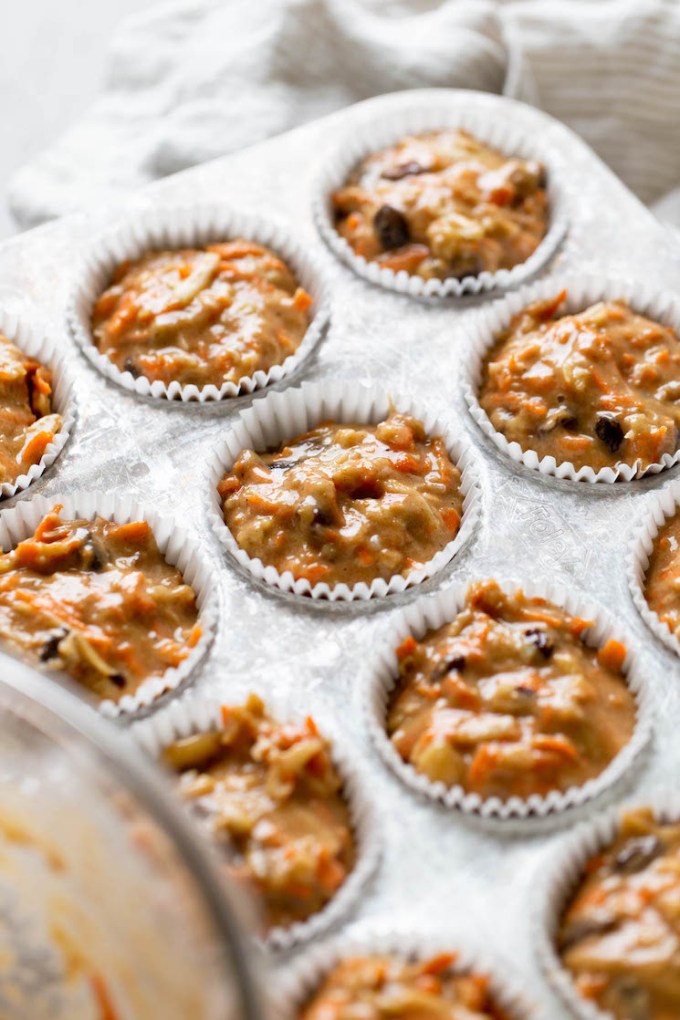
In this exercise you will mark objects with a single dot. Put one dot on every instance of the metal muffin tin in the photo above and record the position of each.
(440, 871)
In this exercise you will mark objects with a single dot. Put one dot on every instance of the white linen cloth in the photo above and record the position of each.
(191, 80)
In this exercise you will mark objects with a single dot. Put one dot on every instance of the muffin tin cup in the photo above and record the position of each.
(658, 509)
(483, 330)
(370, 135)
(432, 612)
(304, 976)
(283, 415)
(176, 545)
(184, 718)
(561, 881)
(178, 227)
(37, 345)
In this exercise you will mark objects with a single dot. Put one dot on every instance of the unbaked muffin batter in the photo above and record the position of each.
(598, 388)
(507, 700)
(620, 934)
(662, 580)
(443, 204)
(346, 502)
(27, 422)
(202, 315)
(272, 789)
(97, 599)
(376, 987)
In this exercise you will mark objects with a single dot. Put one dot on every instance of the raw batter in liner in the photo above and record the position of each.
(208, 315)
(620, 934)
(27, 424)
(378, 986)
(443, 204)
(508, 701)
(346, 502)
(97, 599)
(273, 791)
(598, 388)
(662, 581)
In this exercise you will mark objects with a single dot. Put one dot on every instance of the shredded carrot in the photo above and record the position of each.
(451, 518)
(612, 655)
(195, 635)
(408, 464)
(408, 258)
(302, 300)
(407, 647)
(575, 444)
(135, 532)
(365, 556)
(102, 998)
(438, 964)
(34, 450)
(48, 522)
(314, 573)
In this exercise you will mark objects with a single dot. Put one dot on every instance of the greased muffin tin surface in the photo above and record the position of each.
(439, 871)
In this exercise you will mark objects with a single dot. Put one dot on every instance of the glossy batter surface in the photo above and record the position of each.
(507, 700)
(208, 315)
(273, 790)
(97, 600)
(346, 502)
(443, 204)
(620, 935)
(378, 987)
(662, 581)
(27, 422)
(597, 388)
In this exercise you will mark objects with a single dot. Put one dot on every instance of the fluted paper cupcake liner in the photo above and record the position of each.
(562, 879)
(483, 330)
(494, 128)
(304, 976)
(433, 611)
(177, 227)
(184, 718)
(281, 416)
(658, 508)
(39, 346)
(176, 546)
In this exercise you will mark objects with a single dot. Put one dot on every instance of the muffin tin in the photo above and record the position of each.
(441, 871)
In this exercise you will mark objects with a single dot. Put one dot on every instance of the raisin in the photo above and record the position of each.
(322, 518)
(569, 422)
(409, 169)
(609, 432)
(118, 679)
(390, 227)
(457, 662)
(541, 641)
(637, 853)
(129, 366)
(526, 692)
(94, 554)
(50, 650)
(369, 488)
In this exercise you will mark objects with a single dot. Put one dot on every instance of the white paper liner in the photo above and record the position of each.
(658, 509)
(184, 718)
(433, 611)
(560, 883)
(39, 346)
(177, 227)
(303, 977)
(175, 544)
(483, 330)
(495, 129)
(283, 415)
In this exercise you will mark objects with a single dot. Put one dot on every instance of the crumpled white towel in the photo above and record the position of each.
(193, 79)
